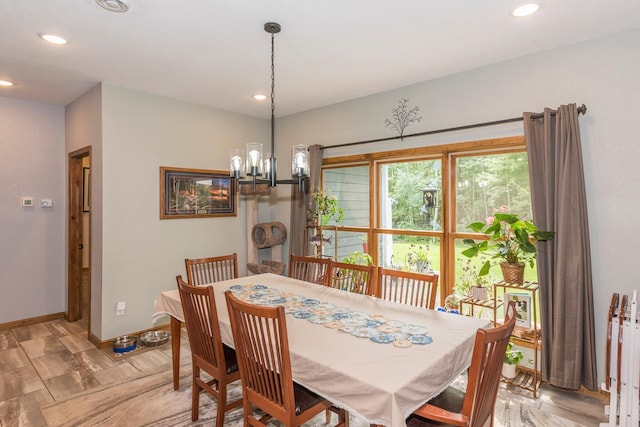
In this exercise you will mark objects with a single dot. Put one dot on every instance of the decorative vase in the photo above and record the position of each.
(508, 371)
(513, 272)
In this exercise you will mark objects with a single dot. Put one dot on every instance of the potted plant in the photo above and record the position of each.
(417, 259)
(325, 207)
(511, 358)
(470, 284)
(511, 238)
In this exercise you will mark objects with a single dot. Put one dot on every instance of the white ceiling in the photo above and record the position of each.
(216, 52)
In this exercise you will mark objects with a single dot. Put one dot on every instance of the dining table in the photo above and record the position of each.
(377, 359)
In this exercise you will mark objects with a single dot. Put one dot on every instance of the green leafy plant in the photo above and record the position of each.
(511, 239)
(358, 257)
(417, 258)
(513, 356)
(325, 207)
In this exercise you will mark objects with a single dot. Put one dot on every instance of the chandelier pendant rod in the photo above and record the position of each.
(273, 28)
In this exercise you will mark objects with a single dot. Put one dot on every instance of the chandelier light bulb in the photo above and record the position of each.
(236, 162)
(267, 166)
(299, 160)
(254, 158)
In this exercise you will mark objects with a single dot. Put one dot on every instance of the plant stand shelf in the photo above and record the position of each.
(526, 379)
(469, 305)
(527, 334)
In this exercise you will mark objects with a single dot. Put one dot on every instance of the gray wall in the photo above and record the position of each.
(32, 164)
(602, 73)
(141, 254)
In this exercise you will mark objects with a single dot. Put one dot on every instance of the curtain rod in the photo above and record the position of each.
(581, 110)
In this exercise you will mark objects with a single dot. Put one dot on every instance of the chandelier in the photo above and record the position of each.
(259, 170)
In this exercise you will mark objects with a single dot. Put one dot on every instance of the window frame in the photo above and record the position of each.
(447, 154)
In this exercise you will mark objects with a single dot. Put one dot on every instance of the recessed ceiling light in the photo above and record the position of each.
(259, 97)
(53, 39)
(114, 5)
(6, 83)
(525, 9)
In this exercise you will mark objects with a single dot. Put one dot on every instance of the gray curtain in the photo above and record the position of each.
(300, 202)
(564, 263)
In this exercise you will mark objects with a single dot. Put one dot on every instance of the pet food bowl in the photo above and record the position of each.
(125, 343)
(154, 338)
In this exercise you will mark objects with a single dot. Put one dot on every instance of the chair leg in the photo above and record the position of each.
(195, 395)
(222, 404)
(343, 418)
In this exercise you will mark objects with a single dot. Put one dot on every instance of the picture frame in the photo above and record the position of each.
(523, 308)
(196, 193)
(86, 190)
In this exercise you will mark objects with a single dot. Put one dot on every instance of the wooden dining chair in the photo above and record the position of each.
(309, 269)
(262, 347)
(407, 287)
(351, 277)
(473, 407)
(201, 271)
(208, 353)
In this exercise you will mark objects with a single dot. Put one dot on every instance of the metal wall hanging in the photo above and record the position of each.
(402, 116)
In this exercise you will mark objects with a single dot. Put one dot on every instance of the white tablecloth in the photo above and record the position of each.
(381, 383)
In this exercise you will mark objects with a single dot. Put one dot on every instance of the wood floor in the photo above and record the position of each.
(51, 362)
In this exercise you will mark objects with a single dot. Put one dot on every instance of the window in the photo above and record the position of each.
(483, 183)
(350, 184)
(409, 209)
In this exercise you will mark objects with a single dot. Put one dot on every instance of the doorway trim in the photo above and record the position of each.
(75, 237)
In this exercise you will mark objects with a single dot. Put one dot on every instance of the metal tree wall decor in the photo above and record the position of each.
(402, 117)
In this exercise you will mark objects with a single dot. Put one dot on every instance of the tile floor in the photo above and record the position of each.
(49, 362)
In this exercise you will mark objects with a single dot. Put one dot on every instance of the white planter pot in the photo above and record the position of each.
(508, 371)
(479, 292)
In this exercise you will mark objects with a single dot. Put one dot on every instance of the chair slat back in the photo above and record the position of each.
(352, 277)
(201, 318)
(201, 271)
(262, 349)
(309, 269)
(486, 365)
(407, 287)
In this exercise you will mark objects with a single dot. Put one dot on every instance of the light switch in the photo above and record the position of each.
(120, 308)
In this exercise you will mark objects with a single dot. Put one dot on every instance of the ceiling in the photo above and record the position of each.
(217, 53)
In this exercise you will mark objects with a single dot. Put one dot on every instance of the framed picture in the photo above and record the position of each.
(196, 193)
(86, 190)
(523, 308)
